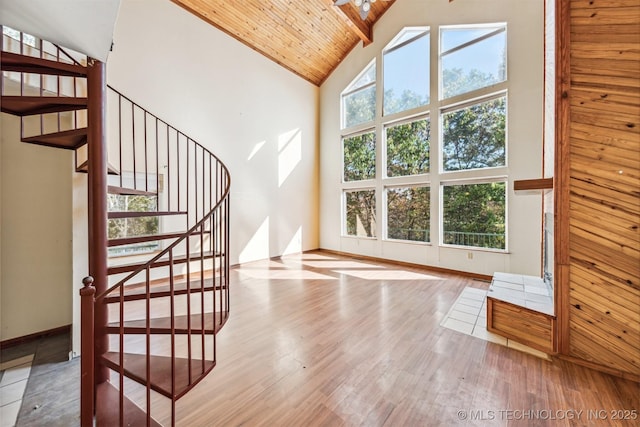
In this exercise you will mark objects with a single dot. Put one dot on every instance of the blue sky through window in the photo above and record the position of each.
(406, 69)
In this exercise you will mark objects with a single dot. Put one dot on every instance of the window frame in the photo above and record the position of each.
(350, 90)
(385, 159)
(393, 46)
(436, 178)
(343, 209)
(460, 105)
(375, 153)
(489, 88)
(458, 182)
(385, 203)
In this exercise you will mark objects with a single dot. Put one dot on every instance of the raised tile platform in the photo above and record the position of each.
(468, 315)
(526, 291)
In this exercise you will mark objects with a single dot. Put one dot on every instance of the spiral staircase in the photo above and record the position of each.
(158, 289)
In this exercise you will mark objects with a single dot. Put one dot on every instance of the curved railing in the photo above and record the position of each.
(164, 313)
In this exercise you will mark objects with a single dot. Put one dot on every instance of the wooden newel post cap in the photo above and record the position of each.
(88, 289)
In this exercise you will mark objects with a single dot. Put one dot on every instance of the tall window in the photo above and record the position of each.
(406, 71)
(471, 58)
(474, 215)
(408, 148)
(448, 150)
(360, 208)
(359, 157)
(359, 99)
(473, 128)
(474, 136)
(408, 213)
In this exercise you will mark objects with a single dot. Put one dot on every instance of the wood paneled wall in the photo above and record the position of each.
(597, 191)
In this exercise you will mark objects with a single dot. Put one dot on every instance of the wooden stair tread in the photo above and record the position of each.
(107, 416)
(148, 238)
(28, 64)
(29, 105)
(135, 368)
(162, 262)
(68, 139)
(84, 168)
(139, 291)
(123, 191)
(213, 322)
(131, 214)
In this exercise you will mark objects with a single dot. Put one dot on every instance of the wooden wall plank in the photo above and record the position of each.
(604, 118)
(626, 353)
(616, 231)
(622, 201)
(594, 214)
(618, 138)
(625, 159)
(584, 346)
(604, 196)
(606, 33)
(621, 270)
(601, 4)
(612, 177)
(605, 213)
(588, 67)
(621, 303)
(622, 167)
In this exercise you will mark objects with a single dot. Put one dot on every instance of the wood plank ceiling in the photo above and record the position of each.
(307, 37)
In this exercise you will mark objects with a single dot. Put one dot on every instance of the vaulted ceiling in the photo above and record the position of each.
(308, 37)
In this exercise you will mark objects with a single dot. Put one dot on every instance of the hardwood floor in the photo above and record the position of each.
(323, 340)
(319, 339)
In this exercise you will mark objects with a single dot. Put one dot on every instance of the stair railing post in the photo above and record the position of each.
(97, 184)
(87, 380)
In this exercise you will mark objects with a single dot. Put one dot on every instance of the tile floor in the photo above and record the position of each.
(526, 291)
(51, 396)
(468, 315)
(14, 375)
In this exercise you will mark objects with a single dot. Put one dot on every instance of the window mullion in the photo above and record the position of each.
(435, 162)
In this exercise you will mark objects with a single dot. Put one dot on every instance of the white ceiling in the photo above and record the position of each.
(82, 25)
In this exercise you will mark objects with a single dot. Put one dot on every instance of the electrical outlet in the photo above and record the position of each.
(469, 255)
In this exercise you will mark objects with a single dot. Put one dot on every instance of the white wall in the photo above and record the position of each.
(260, 119)
(525, 64)
(35, 235)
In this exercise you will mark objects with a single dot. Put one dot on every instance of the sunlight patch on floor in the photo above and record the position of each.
(387, 274)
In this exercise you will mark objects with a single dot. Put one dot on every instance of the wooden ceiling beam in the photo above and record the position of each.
(361, 28)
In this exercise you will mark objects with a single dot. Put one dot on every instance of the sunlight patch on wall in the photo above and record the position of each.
(258, 246)
(289, 153)
(256, 148)
(295, 245)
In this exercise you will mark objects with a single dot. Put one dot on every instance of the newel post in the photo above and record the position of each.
(97, 183)
(87, 380)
